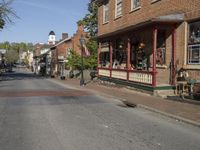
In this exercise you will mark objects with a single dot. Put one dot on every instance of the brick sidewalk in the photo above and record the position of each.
(186, 112)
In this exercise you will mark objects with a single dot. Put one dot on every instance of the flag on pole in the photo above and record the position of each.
(86, 51)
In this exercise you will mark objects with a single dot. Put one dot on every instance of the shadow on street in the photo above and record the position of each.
(8, 76)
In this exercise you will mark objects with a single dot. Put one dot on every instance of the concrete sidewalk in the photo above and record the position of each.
(182, 111)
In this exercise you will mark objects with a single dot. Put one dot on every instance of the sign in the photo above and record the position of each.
(60, 57)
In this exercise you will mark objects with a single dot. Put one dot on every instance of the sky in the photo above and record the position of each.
(38, 17)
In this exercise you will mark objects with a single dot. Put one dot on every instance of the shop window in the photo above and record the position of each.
(138, 56)
(119, 55)
(161, 48)
(194, 43)
(105, 55)
(118, 8)
(106, 12)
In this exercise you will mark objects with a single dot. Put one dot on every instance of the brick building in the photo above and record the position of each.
(61, 50)
(144, 43)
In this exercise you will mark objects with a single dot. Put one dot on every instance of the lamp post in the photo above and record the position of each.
(82, 41)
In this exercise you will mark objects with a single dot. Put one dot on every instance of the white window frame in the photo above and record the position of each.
(105, 6)
(117, 3)
(193, 43)
(191, 48)
(154, 1)
(133, 6)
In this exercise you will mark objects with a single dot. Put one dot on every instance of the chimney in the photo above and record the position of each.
(64, 36)
(80, 27)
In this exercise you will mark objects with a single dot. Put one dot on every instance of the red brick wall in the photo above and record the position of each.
(76, 39)
(148, 10)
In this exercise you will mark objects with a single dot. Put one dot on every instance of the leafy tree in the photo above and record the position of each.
(74, 60)
(11, 56)
(91, 61)
(90, 24)
(90, 20)
(6, 45)
(6, 13)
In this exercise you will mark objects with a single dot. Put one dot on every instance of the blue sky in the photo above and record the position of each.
(39, 17)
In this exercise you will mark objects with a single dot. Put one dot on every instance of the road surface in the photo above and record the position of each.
(39, 114)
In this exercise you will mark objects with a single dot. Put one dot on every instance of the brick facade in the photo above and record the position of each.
(142, 21)
(147, 11)
(63, 47)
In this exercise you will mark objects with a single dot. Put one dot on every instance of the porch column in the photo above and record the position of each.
(98, 59)
(173, 81)
(111, 51)
(128, 57)
(155, 32)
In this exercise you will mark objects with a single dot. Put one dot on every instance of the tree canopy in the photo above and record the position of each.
(6, 13)
(13, 50)
(90, 21)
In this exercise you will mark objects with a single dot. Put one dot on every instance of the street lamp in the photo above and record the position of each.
(82, 42)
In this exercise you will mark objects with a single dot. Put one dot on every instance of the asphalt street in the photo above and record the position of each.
(39, 114)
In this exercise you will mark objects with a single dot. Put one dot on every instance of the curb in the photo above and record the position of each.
(133, 105)
(178, 118)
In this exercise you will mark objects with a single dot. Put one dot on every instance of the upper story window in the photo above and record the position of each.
(194, 43)
(106, 12)
(135, 4)
(118, 8)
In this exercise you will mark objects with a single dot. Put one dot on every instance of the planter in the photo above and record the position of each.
(196, 91)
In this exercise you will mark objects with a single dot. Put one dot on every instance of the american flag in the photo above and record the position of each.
(86, 51)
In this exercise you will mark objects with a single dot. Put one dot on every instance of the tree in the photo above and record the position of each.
(11, 56)
(90, 21)
(74, 60)
(6, 13)
(90, 24)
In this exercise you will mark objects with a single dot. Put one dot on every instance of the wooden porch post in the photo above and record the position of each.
(173, 55)
(128, 57)
(98, 59)
(111, 51)
(155, 32)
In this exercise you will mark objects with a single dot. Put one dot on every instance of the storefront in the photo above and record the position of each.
(142, 56)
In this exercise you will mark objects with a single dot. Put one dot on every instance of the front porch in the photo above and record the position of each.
(143, 57)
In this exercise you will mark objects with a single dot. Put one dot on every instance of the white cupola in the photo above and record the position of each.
(52, 38)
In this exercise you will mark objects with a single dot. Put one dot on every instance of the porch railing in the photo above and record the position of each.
(104, 72)
(131, 75)
(141, 77)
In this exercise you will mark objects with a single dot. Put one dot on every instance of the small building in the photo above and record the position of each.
(41, 59)
(62, 49)
(145, 43)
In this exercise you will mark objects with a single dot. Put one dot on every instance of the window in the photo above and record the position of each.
(106, 12)
(119, 54)
(105, 55)
(161, 49)
(154, 1)
(135, 4)
(118, 8)
(194, 54)
(194, 43)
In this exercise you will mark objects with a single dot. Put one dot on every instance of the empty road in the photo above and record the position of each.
(39, 114)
